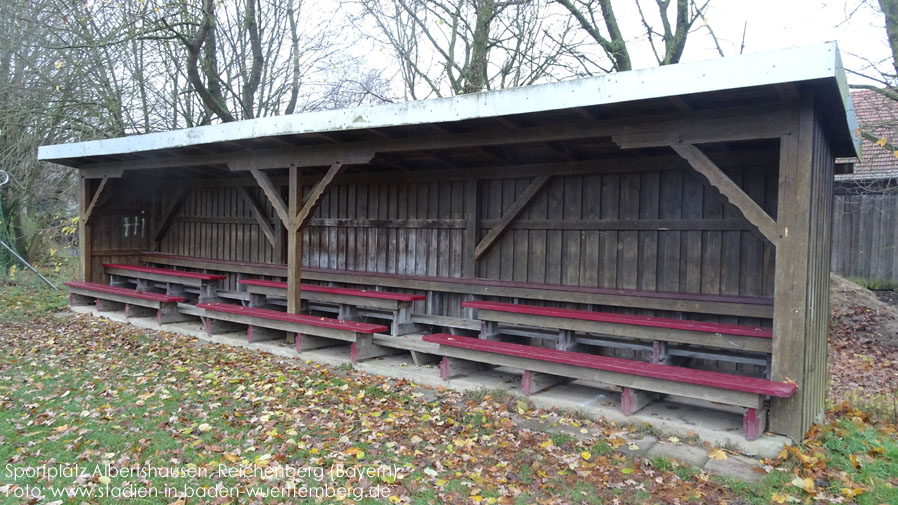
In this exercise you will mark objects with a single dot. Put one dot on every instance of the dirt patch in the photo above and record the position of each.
(860, 314)
(863, 348)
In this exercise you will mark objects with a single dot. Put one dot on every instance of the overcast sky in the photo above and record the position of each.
(773, 24)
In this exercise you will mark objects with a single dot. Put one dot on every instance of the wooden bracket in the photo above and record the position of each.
(753, 212)
(169, 214)
(259, 215)
(314, 198)
(516, 208)
(85, 216)
(271, 192)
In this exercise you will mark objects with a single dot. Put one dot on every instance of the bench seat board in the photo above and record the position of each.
(123, 295)
(622, 379)
(625, 330)
(338, 299)
(155, 277)
(636, 369)
(607, 317)
(265, 317)
(164, 271)
(364, 293)
(654, 300)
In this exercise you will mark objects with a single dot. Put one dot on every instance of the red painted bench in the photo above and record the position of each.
(174, 280)
(397, 304)
(135, 303)
(307, 332)
(726, 336)
(543, 367)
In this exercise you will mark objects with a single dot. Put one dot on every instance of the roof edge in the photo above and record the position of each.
(795, 64)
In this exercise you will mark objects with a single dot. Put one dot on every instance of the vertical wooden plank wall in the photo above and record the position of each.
(865, 236)
(120, 225)
(650, 230)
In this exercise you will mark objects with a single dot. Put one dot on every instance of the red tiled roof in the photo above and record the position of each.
(878, 115)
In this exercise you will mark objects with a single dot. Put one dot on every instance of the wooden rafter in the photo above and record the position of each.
(753, 212)
(514, 211)
(259, 215)
(169, 214)
(271, 193)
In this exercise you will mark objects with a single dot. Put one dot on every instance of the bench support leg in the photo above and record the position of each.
(145, 285)
(754, 423)
(422, 358)
(138, 311)
(534, 382)
(453, 367)
(660, 353)
(209, 294)
(402, 322)
(256, 334)
(365, 348)
(633, 400)
(304, 343)
(347, 313)
(168, 313)
(217, 326)
(109, 306)
(257, 300)
(565, 340)
(76, 300)
(489, 330)
(120, 282)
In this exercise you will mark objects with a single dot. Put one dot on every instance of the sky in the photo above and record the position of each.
(772, 24)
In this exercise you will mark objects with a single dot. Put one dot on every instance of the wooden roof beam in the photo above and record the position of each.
(753, 212)
(720, 125)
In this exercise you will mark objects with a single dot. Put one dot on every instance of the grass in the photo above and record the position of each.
(89, 391)
(874, 284)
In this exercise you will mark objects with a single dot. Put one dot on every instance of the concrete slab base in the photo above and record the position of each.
(682, 417)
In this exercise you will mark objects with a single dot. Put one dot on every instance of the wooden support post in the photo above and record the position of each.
(514, 211)
(753, 212)
(801, 285)
(87, 201)
(294, 243)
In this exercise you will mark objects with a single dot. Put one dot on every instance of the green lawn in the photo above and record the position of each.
(109, 397)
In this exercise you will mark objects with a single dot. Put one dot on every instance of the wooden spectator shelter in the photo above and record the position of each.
(699, 192)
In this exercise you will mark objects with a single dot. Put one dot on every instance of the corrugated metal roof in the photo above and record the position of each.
(820, 64)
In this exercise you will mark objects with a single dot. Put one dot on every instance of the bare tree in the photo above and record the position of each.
(451, 47)
(667, 27)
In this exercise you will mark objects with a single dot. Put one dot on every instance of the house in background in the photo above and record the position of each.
(865, 199)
